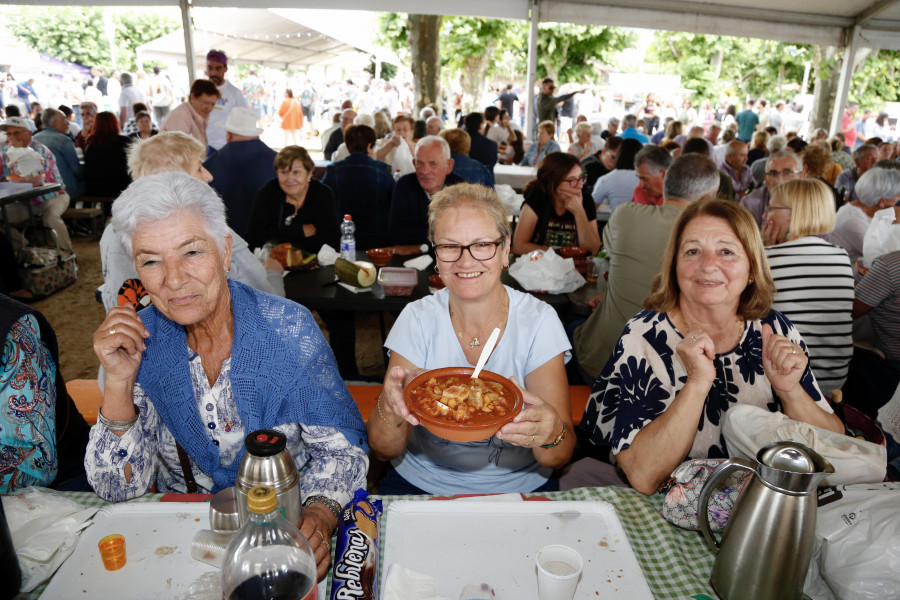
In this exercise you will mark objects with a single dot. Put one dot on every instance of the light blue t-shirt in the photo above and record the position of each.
(424, 335)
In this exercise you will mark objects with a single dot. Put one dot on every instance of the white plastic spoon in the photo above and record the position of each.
(486, 352)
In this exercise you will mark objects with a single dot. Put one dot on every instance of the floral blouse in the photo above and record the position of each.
(329, 465)
(644, 375)
(27, 409)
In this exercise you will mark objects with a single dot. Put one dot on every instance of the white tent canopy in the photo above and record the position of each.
(277, 38)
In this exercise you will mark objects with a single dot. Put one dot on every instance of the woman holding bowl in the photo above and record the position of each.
(555, 212)
(209, 362)
(294, 207)
(470, 233)
(707, 339)
(813, 278)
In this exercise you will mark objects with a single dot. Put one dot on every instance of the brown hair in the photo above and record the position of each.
(816, 159)
(358, 138)
(404, 117)
(204, 87)
(458, 139)
(812, 206)
(285, 159)
(756, 299)
(554, 168)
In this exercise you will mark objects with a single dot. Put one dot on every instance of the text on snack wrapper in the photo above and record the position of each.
(349, 569)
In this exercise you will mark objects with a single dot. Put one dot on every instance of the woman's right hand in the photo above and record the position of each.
(697, 352)
(770, 233)
(119, 343)
(392, 403)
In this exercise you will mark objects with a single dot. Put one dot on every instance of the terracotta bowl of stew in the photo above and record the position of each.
(380, 256)
(578, 256)
(460, 416)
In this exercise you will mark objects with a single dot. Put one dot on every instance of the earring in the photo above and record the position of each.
(506, 267)
(750, 281)
(227, 272)
(436, 270)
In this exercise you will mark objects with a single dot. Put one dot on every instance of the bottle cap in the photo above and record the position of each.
(262, 499)
(265, 442)
(348, 218)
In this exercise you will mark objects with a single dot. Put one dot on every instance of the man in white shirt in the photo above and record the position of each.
(231, 96)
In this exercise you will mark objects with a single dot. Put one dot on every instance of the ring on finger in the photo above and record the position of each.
(322, 535)
(532, 439)
(793, 351)
(112, 330)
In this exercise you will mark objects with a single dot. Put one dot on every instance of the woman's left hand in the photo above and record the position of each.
(537, 424)
(770, 233)
(783, 360)
(309, 230)
(317, 523)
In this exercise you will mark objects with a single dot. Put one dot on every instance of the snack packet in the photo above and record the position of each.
(355, 570)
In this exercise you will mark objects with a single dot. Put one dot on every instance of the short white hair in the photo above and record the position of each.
(877, 183)
(158, 197)
(364, 119)
(584, 126)
(776, 143)
(434, 140)
(425, 113)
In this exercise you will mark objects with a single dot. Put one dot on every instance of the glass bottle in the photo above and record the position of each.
(268, 559)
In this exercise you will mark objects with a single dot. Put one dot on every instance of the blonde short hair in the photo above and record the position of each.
(812, 206)
(165, 152)
(469, 194)
(584, 127)
(756, 299)
(458, 139)
(548, 126)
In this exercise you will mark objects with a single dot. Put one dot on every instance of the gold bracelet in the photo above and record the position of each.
(381, 414)
(558, 440)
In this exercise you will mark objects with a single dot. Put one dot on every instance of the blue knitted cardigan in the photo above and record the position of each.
(282, 371)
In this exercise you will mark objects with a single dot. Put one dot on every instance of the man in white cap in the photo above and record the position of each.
(231, 97)
(241, 167)
(49, 207)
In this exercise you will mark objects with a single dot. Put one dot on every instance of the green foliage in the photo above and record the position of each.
(392, 34)
(570, 52)
(79, 36)
(877, 80)
(388, 71)
(717, 65)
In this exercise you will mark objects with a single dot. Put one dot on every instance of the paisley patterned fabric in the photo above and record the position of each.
(682, 490)
(643, 376)
(27, 409)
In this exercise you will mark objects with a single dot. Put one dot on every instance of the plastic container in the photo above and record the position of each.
(398, 281)
(268, 557)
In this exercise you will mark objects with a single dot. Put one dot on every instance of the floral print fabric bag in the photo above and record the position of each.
(683, 487)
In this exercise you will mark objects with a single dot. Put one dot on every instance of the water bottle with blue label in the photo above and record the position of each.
(348, 241)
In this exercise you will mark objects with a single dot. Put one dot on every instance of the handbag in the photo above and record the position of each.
(45, 270)
(682, 494)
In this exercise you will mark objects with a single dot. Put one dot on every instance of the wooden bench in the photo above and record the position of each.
(93, 215)
(87, 397)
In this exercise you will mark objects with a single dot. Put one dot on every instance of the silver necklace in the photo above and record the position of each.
(475, 342)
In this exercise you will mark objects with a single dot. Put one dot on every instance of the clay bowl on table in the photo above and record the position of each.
(436, 282)
(482, 425)
(380, 256)
(578, 255)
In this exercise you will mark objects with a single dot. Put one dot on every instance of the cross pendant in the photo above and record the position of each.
(474, 343)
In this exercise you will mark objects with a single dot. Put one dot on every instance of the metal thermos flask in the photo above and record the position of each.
(267, 462)
(769, 539)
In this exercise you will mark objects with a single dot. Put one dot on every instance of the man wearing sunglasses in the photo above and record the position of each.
(547, 102)
(781, 166)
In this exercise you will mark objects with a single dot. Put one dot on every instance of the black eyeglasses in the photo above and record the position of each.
(478, 250)
(783, 173)
(574, 181)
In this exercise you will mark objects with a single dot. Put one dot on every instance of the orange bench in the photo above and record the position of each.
(87, 397)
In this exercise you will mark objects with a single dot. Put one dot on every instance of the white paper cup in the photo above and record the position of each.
(558, 571)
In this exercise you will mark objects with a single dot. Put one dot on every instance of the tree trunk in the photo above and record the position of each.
(716, 63)
(425, 50)
(827, 74)
(473, 80)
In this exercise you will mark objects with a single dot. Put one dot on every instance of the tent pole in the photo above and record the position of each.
(532, 69)
(187, 25)
(840, 98)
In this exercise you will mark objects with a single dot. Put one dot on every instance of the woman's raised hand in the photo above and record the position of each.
(697, 352)
(538, 423)
(783, 361)
(770, 233)
(392, 402)
(119, 342)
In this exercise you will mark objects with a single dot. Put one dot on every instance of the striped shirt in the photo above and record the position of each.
(880, 289)
(814, 289)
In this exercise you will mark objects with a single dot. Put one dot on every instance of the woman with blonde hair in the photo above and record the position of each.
(545, 144)
(583, 147)
(813, 278)
(708, 339)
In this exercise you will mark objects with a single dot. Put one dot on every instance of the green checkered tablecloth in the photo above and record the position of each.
(675, 562)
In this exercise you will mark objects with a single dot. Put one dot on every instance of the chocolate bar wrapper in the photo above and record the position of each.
(355, 570)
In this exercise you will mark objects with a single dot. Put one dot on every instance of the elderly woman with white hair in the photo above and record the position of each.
(211, 361)
(876, 189)
(584, 147)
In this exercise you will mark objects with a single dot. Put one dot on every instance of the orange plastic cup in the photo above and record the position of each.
(112, 551)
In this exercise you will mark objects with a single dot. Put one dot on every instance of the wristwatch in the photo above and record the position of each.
(558, 440)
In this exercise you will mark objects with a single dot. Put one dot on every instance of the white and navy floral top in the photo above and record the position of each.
(329, 465)
(644, 375)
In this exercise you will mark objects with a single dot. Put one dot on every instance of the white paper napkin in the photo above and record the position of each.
(549, 272)
(354, 289)
(327, 255)
(404, 584)
(420, 262)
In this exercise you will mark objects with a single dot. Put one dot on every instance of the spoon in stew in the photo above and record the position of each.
(486, 352)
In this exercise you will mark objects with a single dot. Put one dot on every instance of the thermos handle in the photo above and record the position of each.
(721, 472)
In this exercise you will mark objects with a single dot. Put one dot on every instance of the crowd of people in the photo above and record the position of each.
(737, 265)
